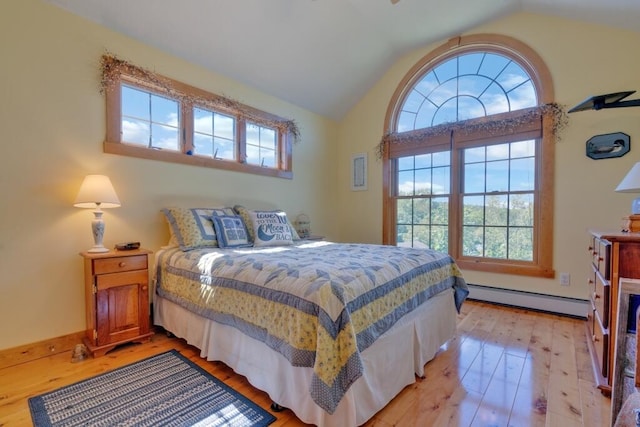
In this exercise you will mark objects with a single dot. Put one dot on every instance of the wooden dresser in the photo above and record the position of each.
(117, 299)
(613, 255)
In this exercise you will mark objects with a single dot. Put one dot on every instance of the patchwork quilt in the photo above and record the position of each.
(318, 304)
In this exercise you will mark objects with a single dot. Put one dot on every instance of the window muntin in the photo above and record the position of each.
(261, 145)
(213, 134)
(149, 119)
(495, 201)
(498, 201)
(520, 204)
(423, 200)
(465, 87)
(157, 118)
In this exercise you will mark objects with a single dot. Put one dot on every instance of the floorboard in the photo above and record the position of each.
(505, 367)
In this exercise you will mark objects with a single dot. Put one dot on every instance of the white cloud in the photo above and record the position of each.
(136, 132)
(406, 188)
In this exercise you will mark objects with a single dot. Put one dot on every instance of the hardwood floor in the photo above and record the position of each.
(505, 367)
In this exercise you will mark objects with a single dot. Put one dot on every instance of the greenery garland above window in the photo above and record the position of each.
(555, 111)
(112, 67)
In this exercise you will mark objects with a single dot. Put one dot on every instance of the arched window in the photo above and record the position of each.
(468, 161)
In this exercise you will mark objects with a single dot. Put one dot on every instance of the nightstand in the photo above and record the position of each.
(116, 285)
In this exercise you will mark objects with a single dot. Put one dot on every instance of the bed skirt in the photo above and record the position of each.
(390, 364)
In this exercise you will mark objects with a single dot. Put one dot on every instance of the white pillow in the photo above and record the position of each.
(270, 228)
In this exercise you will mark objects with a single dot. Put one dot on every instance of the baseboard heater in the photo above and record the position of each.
(573, 307)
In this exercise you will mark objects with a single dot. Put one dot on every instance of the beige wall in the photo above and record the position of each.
(52, 116)
(584, 60)
(53, 124)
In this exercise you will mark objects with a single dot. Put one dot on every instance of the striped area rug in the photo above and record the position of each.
(163, 390)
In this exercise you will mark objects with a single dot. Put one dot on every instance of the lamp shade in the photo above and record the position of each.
(96, 190)
(631, 184)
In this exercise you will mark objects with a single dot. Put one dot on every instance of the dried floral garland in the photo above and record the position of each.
(113, 67)
(556, 112)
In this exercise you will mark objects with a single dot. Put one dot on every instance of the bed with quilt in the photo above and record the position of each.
(332, 331)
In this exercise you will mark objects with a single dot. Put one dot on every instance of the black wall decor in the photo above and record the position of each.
(608, 145)
(610, 100)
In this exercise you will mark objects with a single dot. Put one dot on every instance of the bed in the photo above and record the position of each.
(331, 331)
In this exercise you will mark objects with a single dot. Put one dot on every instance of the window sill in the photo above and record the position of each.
(176, 157)
(492, 266)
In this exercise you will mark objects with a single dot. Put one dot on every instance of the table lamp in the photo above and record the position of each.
(631, 184)
(96, 192)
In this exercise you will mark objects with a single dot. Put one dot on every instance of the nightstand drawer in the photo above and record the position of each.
(600, 340)
(118, 264)
(599, 291)
(602, 259)
(594, 247)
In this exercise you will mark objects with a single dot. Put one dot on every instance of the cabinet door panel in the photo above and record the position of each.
(123, 308)
(122, 301)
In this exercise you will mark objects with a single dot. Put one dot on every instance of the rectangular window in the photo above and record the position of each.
(423, 189)
(262, 146)
(474, 196)
(149, 120)
(153, 117)
(498, 200)
(214, 134)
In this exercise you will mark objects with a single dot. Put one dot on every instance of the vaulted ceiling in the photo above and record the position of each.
(322, 55)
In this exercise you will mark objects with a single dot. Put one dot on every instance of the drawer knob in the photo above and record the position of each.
(122, 264)
(595, 338)
(144, 287)
(596, 296)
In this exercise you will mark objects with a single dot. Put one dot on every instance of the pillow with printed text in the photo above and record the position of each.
(270, 228)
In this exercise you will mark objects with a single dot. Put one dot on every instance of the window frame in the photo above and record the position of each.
(188, 97)
(542, 131)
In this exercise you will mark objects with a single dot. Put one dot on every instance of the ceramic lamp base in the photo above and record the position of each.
(97, 228)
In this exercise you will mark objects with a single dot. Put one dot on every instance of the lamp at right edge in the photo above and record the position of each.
(631, 184)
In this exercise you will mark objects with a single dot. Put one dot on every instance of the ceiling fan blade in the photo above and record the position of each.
(394, 1)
